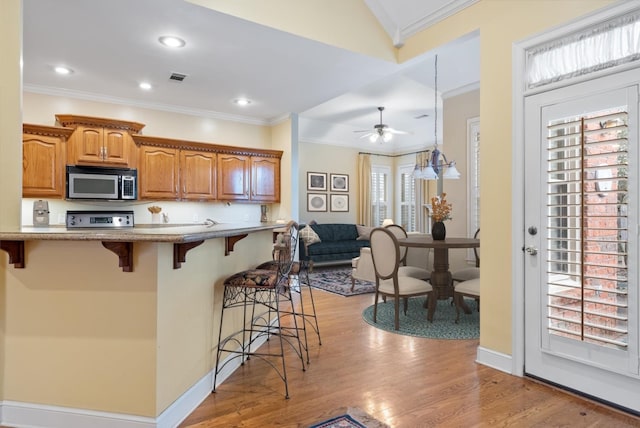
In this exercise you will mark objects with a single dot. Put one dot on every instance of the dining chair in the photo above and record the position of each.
(469, 273)
(386, 255)
(470, 288)
(263, 299)
(404, 270)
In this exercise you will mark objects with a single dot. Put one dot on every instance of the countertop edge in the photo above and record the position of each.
(178, 234)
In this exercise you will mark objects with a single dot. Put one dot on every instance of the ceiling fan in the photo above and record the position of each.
(381, 132)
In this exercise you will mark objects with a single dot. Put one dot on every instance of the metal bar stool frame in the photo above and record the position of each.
(260, 293)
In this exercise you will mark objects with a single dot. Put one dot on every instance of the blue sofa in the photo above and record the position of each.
(338, 242)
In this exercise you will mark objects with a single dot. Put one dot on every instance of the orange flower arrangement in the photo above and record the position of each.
(441, 209)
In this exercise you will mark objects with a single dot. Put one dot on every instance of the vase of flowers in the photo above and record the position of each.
(440, 211)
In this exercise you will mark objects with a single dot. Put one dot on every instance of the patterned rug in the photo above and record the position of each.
(351, 418)
(415, 322)
(337, 279)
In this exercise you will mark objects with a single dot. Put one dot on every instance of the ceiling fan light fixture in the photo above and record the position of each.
(387, 136)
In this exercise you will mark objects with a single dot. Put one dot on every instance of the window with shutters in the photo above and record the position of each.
(408, 210)
(380, 193)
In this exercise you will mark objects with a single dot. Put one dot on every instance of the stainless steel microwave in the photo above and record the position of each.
(95, 182)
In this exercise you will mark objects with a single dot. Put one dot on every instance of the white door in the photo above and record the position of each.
(581, 238)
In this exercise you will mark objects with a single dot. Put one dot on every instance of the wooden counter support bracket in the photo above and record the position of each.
(180, 252)
(230, 241)
(15, 249)
(124, 251)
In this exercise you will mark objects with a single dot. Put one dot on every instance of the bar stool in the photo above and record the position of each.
(265, 298)
(300, 271)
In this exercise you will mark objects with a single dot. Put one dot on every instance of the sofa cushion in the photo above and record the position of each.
(336, 232)
(364, 232)
(309, 236)
(337, 248)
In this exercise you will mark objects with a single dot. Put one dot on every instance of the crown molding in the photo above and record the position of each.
(90, 96)
(444, 12)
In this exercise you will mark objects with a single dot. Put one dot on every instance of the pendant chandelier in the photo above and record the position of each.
(430, 170)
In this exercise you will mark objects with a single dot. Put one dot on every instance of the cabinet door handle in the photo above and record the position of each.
(184, 189)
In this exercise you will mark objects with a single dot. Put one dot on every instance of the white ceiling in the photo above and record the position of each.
(112, 46)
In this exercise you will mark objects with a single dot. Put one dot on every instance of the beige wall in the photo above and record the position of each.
(10, 147)
(501, 24)
(282, 139)
(327, 159)
(345, 24)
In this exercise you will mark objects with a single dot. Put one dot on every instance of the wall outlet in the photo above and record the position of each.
(195, 218)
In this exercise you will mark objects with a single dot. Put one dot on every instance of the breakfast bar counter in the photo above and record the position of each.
(120, 240)
(85, 336)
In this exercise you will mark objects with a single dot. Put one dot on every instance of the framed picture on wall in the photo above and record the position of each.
(339, 182)
(316, 202)
(339, 203)
(317, 181)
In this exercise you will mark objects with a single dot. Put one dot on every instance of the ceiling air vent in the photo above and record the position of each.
(178, 77)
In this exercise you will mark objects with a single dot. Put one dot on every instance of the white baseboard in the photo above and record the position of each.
(497, 360)
(29, 415)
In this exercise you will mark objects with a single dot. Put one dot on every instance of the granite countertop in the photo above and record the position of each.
(175, 233)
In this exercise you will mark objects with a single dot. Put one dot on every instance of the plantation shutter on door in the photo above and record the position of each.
(587, 204)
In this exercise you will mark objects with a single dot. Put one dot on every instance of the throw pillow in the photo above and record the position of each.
(363, 232)
(309, 236)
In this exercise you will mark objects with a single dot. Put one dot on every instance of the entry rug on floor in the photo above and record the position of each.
(353, 418)
(337, 279)
(415, 323)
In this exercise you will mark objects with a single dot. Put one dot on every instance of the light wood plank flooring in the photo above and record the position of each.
(402, 381)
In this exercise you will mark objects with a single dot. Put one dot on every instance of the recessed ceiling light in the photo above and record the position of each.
(63, 70)
(145, 85)
(172, 41)
(242, 101)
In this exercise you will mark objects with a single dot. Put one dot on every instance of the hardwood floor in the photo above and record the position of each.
(401, 380)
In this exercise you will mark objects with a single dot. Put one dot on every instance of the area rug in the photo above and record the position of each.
(337, 280)
(415, 323)
(351, 418)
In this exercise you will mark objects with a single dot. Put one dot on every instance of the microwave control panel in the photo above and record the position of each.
(99, 219)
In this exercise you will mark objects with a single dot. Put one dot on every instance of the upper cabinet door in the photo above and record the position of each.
(86, 145)
(233, 177)
(198, 175)
(159, 173)
(43, 160)
(42, 165)
(265, 179)
(116, 147)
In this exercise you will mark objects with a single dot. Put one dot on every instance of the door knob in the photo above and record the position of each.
(531, 250)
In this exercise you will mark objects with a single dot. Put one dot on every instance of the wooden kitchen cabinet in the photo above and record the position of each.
(265, 179)
(186, 170)
(100, 141)
(234, 172)
(159, 173)
(43, 161)
(248, 178)
(169, 171)
(197, 175)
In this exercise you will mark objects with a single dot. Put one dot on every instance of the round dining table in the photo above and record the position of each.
(441, 280)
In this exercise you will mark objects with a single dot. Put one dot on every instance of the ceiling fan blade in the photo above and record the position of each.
(362, 130)
(367, 135)
(397, 131)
